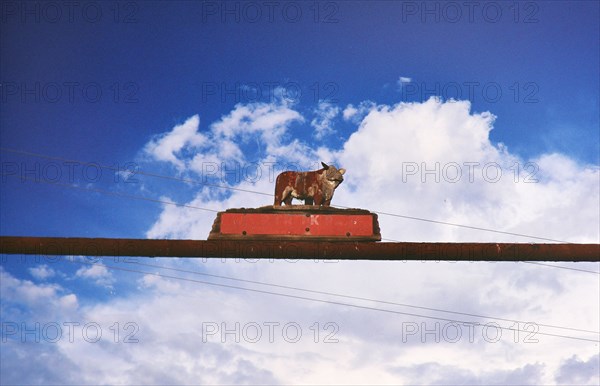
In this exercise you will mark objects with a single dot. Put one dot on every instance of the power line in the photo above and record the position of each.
(131, 196)
(325, 301)
(466, 226)
(356, 297)
(561, 267)
(140, 172)
(268, 194)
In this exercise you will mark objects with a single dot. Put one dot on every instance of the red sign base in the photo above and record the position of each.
(296, 222)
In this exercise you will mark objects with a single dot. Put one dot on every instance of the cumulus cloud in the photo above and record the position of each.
(323, 121)
(47, 300)
(264, 124)
(355, 114)
(437, 374)
(98, 274)
(42, 272)
(435, 160)
(268, 120)
(166, 147)
(575, 371)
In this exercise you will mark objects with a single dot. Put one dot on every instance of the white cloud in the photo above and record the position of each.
(42, 272)
(433, 373)
(349, 112)
(323, 121)
(174, 315)
(98, 274)
(415, 159)
(267, 121)
(47, 300)
(575, 371)
(401, 80)
(165, 147)
(356, 114)
(266, 124)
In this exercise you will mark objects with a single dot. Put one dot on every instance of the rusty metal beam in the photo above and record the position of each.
(274, 249)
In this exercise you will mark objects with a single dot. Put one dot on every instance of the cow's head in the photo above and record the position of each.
(333, 175)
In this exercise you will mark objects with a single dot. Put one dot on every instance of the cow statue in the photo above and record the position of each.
(314, 187)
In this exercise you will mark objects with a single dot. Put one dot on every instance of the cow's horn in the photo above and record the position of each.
(325, 165)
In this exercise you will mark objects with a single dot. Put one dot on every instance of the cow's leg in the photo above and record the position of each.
(327, 202)
(286, 196)
(280, 198)
(308, 201)
(318, 199)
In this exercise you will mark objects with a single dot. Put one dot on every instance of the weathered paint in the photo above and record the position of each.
(314, 187)
(296, 222)
(343, 225)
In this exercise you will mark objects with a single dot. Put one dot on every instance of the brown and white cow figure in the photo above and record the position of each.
(315, 187)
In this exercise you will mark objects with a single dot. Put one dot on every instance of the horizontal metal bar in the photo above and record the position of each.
(335, 250)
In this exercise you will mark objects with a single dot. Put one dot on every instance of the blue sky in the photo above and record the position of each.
(376, 87)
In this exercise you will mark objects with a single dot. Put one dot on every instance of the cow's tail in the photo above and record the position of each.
(278, 194)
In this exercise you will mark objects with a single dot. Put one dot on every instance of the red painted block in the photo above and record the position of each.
(297, 223)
